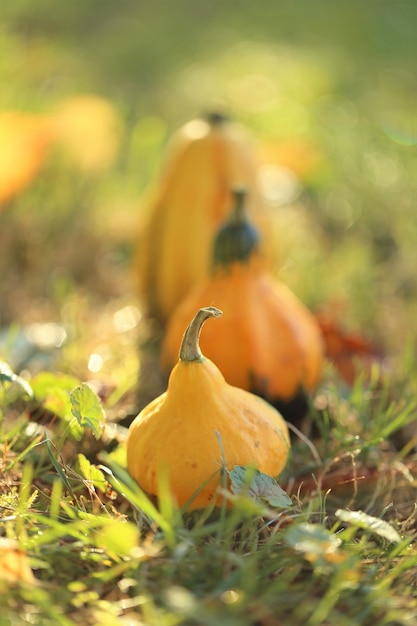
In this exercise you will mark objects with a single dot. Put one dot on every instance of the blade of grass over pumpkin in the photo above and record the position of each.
(223, 470)
(166, 503)
(222, 485)
(122, 482)
(198, 491)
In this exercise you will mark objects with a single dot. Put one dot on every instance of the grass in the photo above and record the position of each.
(88, 547)
(79, 542)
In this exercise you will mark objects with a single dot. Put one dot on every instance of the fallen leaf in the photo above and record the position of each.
(258, 486)
(349, 351)
(370, 523)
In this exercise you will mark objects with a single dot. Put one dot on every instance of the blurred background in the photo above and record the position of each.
(90, 93)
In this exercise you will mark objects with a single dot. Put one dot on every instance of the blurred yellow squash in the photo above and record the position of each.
(25, 139)
(205, 158)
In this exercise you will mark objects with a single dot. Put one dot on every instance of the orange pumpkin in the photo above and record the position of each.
(267, 342)
(200, 424)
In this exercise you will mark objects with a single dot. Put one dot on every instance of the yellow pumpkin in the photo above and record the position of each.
(204, 159)
(268, 342)
(179, 431)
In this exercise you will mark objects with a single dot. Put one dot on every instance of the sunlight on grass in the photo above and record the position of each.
(215, 567)
(90, 97)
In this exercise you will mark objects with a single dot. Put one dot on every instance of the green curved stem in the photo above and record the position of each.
(190, 348)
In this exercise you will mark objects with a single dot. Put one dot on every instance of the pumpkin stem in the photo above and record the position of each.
(216, 118)
(238, 215)
(190, 348)
(237, 239)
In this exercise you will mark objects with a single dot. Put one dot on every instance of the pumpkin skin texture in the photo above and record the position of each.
(177, 431)
(204, 159)
(267, 342)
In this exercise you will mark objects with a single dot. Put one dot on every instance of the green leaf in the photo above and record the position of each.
(7, 375)
(46, 384)
(258, 486)
(52, 391)
(87, 410)
(368, 522)
(92, 473)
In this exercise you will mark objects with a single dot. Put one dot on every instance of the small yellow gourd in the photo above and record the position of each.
(181, 430)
